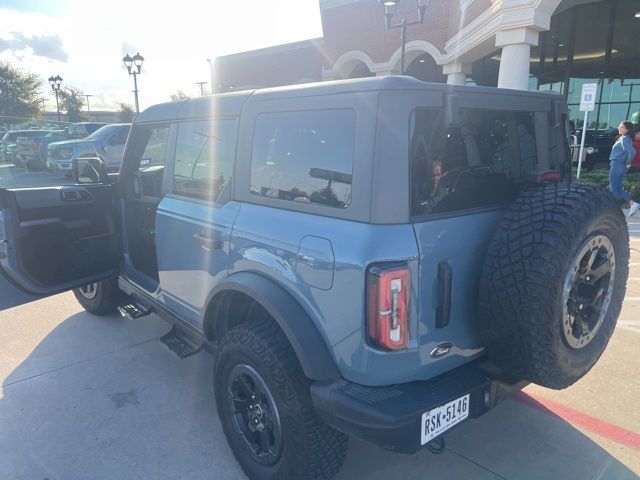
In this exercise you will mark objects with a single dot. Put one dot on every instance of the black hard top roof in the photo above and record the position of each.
(230, 104)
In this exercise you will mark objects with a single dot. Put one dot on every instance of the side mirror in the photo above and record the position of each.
(89, 170)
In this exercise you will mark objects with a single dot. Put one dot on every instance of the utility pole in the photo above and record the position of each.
(201, 85)
(88, 108)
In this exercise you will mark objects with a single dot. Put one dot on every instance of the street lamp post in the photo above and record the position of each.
(210, 62)
(390, 7)
(55, 83)
(130, 62)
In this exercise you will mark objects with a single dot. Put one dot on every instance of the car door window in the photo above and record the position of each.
(482, 162)
(155, 150)
(205, 153)
(304, 156)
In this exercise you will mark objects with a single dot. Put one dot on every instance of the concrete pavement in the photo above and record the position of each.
(87, 397)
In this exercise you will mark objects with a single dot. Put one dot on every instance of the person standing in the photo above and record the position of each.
(635, 163)
(620, 159)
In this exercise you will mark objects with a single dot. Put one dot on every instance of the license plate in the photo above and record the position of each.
(441, 419)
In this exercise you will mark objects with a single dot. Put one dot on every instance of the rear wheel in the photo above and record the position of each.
(553, 283)
(266, 410)
(100, 298)
(34, 165)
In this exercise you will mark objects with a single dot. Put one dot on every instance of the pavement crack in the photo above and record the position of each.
(497, 475)
(111, 352)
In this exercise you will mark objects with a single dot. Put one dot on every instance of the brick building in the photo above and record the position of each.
(523, 44)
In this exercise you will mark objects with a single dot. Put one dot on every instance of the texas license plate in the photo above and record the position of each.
(441, 419)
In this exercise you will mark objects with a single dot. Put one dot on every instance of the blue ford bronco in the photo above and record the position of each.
(380, 258)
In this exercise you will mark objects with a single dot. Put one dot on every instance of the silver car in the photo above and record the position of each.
(107, 143)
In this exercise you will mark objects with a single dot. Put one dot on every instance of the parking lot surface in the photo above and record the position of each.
(86, 397)
(14, 177)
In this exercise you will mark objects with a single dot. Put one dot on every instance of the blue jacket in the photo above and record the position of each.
(623, 151)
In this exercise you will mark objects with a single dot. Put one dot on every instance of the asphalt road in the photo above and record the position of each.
(86, 397)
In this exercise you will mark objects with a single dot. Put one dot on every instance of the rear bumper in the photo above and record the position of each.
(391, 417)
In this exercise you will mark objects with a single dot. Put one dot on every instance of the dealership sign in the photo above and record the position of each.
(587, 104)
(588, 97)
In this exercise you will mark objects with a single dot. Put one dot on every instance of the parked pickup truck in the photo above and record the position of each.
(32, 151)
(8, 143)
(107, 143)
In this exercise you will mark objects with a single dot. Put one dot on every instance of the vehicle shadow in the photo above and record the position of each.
(10, 296)
(102, 398)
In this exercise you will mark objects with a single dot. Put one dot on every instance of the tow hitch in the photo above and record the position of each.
(437, 445)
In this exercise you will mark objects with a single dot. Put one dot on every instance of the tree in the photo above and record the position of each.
(178, 95)
(326, 196)
(19, 92)
(126, 113)
(71, 103)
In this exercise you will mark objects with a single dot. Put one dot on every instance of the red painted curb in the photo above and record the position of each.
(607, 430)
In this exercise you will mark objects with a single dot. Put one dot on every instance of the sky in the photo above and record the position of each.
(84, 41)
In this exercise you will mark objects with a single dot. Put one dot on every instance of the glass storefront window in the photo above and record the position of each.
(575, 88)
(590, 45)
(614, 90)
(611, 114)
(625, 53)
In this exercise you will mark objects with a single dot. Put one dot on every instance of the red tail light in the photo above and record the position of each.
(550, 176)
(388, 296)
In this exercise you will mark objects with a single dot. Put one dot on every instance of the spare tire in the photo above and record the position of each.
(553, 283)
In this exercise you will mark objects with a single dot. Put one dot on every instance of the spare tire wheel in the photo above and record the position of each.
(553, 283)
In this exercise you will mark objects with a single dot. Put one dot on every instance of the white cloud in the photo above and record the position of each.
(175, 43)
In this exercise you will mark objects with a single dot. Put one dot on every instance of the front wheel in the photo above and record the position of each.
(266, 410)
(100, 298)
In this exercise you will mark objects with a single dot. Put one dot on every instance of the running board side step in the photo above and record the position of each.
(134, 310)
(182, 341)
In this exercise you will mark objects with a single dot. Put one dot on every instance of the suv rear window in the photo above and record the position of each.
(304, 156)
(482, 162)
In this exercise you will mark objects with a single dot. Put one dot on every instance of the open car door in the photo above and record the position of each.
(54, 239)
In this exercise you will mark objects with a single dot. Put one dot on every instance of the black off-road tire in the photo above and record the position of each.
(34, 165)
(106, 299)
(310, 448)
(523, 280)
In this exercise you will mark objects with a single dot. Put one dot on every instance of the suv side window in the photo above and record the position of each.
(482, 162)
(205, 153)
(156, 148)
(120, 137)
(304, 156)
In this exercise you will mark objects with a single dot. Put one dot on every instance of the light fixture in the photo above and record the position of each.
(128, 62)
(390, 7)
(637, 15)
(137, 61)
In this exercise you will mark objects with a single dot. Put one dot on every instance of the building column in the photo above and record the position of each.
(516, 57)
(456, 72)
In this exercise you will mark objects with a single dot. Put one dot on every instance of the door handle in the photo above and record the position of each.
(445, 284)
(208, 242)
(74, 195)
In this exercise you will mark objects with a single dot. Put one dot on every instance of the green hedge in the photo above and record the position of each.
(631, 181)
